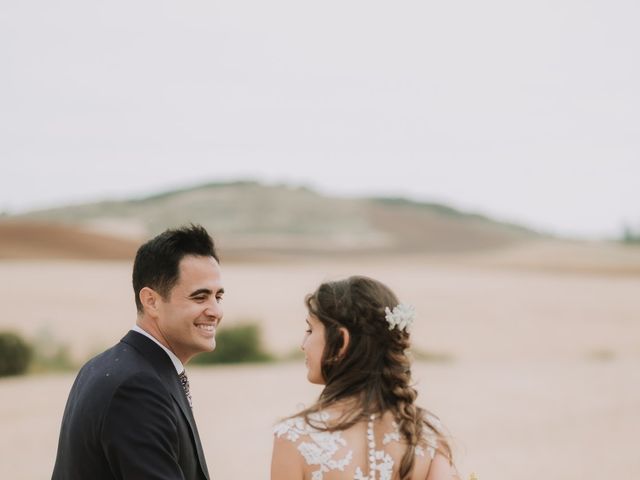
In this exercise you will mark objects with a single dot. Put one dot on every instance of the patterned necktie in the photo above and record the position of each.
(184, 381)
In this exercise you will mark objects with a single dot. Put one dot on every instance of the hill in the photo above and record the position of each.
(249, 218)
(40, 240)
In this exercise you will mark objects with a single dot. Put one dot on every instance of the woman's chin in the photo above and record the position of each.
(314, 379)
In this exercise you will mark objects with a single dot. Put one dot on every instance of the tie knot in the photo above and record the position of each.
(184, 381)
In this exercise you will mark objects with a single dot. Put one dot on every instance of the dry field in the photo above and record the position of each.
(544, 381)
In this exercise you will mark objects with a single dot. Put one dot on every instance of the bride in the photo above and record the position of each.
(365, 425)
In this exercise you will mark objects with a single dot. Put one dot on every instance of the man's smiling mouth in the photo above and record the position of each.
(207, 327)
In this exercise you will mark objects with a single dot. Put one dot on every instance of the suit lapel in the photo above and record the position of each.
(178, 395)
(163, 366)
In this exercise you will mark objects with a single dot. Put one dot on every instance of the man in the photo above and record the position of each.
(128, 415)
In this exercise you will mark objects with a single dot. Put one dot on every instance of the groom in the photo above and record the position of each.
(129, 415)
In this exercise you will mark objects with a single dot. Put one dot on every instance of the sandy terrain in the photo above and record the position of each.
(544, 383)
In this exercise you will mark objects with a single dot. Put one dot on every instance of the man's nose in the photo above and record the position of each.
(214, 310)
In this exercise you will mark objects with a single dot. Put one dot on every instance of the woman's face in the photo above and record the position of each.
(313, 347)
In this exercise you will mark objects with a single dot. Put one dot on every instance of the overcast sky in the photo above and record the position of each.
(528, 111)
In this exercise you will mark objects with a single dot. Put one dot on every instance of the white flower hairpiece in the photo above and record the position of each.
(401, 317)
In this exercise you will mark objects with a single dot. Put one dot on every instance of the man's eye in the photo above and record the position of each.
(218, 299)
(200, 299)
(308, 330)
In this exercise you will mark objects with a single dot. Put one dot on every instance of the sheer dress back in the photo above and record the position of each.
(366, 451)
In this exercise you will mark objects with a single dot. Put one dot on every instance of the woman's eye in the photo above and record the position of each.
(308, 330)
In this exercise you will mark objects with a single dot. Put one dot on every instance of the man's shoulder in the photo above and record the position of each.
(132, 365)
(116, 365)
(120, 356)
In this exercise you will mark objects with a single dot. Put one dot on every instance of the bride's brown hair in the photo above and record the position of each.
(373, 375)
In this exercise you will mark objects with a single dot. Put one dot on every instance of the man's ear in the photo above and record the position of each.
(150, 300)
(345, 342)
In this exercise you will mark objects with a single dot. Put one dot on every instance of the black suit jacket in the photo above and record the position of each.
(127, 417)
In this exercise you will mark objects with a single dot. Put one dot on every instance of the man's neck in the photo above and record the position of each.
(174, 359)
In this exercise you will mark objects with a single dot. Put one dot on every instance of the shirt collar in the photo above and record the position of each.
(175, 360)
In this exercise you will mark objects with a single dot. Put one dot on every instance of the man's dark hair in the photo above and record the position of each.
(157, 263)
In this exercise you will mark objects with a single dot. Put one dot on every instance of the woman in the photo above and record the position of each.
(365, 425)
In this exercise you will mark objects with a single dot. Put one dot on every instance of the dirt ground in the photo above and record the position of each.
(543, 382)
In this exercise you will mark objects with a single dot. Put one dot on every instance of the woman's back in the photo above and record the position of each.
(356, 345)
(367, 450)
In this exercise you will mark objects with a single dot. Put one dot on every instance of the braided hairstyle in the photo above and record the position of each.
(374, 373)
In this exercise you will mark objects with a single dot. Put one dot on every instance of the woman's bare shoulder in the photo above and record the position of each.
(441, 469)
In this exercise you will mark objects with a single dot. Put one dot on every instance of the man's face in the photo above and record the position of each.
(189, 316)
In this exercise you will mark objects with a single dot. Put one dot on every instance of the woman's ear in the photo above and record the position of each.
(149, 299)
(345, 342)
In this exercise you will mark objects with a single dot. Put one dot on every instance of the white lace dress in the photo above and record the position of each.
(370, 451)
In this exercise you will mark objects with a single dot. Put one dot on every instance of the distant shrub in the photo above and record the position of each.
(236, 344)
(630, 236)
(50, 354)
(601, 355)
(293, 355)
(53, 361)
(15, 354)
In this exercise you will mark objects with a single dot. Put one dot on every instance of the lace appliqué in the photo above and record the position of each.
(318, 447)
(430, 438)
(322, 447)
(383, 465)
(393, 436)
